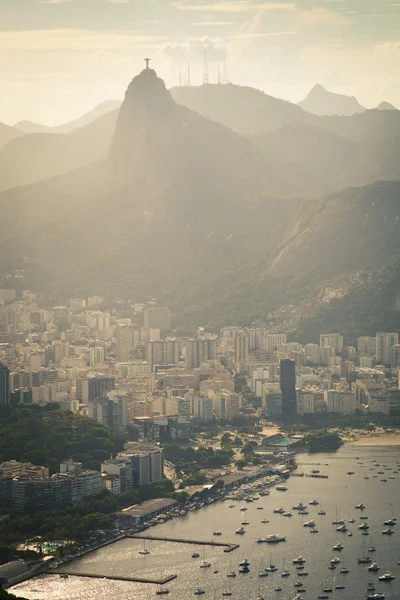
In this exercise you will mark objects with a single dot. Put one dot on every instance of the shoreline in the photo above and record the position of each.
(379, 439)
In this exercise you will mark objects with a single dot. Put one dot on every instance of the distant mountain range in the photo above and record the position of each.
(225, 203)
(86, 119)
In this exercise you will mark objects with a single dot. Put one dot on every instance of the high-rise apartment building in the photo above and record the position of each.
(163, 352)
(287, 383)
(199, 350)
(395, 356)
(313, 353)
(272, 402)
(123, 338)
(61, 317)
(383, 348)
(111, 410)
(343, 403)
(93, 387)
(4, 385)
(366, 346)
(96, 355)
(270, 341)
(202, 407)
(241, 347)
(157, 317)
(331, 340)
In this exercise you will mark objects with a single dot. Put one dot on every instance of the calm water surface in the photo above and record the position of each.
(340, 493)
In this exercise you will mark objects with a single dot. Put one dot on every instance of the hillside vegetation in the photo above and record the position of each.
(47, 435)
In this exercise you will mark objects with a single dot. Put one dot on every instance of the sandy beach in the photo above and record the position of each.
(380, 439)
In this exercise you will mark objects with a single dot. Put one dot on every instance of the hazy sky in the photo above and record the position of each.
(59, 58)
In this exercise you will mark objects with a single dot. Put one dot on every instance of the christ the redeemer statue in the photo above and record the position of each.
(147, 61)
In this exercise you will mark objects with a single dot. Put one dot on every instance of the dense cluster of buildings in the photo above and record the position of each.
(128, 371)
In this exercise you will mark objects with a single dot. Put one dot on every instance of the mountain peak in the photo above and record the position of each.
(321, 101)
(386, 106)
(146, 121)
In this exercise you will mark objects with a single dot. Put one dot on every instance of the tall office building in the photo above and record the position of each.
(123, 337)
(287, 383)
(157, 317)
(4, 386)
(384, 345)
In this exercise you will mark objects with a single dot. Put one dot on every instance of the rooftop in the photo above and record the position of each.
(147, 507)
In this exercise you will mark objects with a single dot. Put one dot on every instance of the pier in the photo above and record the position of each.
(162, 581)
(314, 475)
(227, 547)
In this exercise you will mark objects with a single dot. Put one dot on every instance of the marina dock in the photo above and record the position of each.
(162, 581)
(227, 547)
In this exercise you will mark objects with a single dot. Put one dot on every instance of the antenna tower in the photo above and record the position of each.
(189, 83)
(205, 71)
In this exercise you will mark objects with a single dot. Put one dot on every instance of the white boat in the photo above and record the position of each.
(314, 503)
(342, 528)
(338, 546)
(309, 524)
(344, 570)
(361, 506)
(145, 551)
(388, 531)
(314, 530)
(299, 506)
(335, 560)
(279, 510)
(243, 508)
(244, 563)
(386, 577)
(390, 522)
(287, 514)
(262, 572)
(299, 560)
(363, 526)
(231, 574)
(373, 567)
(205, 565)
(363, 558)
(377, 596)
(240, 531)
(281, 488)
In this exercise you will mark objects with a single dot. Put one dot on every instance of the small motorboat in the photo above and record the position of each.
(162, 591)
(386, 577)
(198, 591)
(338, 546)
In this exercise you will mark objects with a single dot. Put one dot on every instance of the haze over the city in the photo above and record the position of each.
(59, 58)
